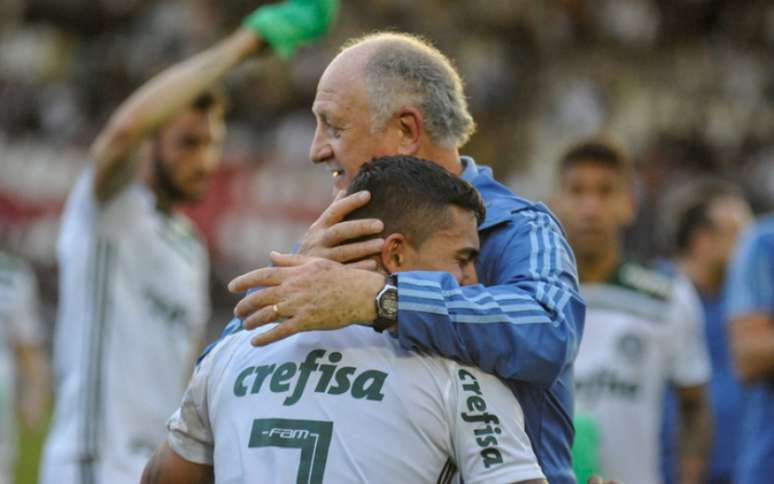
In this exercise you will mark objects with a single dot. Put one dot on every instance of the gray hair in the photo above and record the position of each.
(405, 70)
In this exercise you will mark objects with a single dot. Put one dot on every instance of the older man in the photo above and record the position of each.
(390, 94)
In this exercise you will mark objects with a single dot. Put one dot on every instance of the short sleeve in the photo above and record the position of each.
(751, 278)
(690, 361)
(25, 324)
(189, 431)
(490, 441)
(116, 217)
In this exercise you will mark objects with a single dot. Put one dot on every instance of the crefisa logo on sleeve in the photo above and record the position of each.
(486, 424)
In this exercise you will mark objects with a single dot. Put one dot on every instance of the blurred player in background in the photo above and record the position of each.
(21, 341)
(751, 313)
(389, 415)
(134, 272)
(642, 331)
(705, 218)
(392, 93)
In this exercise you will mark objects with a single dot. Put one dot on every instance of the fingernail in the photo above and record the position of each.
(364, 194)
(274, 253)
(378, 225)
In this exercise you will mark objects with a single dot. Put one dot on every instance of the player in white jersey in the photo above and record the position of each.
(643, 332)
(21, 341)
(134, 273)
(352, 406)
(133, 305)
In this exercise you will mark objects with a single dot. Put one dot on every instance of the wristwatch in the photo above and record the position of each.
(387, 304)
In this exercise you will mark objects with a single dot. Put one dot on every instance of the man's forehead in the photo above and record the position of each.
(343, 74)
(339, 101)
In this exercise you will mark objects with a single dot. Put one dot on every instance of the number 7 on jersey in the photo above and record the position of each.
(313, 437)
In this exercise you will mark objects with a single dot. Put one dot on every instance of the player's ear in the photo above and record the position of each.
(411, 125)
(394, 253)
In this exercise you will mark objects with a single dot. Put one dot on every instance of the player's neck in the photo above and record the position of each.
(598, 267)
(707, 279)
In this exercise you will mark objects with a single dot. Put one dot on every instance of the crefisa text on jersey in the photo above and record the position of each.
(486, 434)
(332, 379)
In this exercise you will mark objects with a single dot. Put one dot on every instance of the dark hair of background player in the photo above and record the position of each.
(598, 152)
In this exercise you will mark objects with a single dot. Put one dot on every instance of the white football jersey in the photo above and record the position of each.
(133, 308)
(19, 326)
(643, 330)
(348, 406)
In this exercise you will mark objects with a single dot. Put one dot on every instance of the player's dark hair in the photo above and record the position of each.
(597, 152)
(412, 196)
(690, 207)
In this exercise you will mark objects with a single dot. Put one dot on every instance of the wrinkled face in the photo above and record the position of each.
(594, 202)
(343, 138)
(453, 250)
(728, 216)
(189, 149)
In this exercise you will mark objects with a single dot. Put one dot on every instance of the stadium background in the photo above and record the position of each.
(684, 86)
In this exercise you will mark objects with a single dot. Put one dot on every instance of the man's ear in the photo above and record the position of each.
(394, 253)
(411, 127)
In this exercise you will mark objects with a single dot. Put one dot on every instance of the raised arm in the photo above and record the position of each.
(114, 150)
(283, 26)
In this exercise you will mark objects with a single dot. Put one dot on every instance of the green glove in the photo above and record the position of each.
(287, 25)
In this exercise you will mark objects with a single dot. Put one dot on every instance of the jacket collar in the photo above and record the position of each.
(499, 201)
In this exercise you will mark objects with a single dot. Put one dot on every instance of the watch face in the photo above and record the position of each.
(389, 303)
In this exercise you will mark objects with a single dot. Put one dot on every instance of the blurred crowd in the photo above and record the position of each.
(683, 86)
